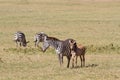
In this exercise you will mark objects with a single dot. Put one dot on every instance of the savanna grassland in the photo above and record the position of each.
(93, 23)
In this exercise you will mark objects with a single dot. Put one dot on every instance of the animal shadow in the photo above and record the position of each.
(91, 65)
(87, 66)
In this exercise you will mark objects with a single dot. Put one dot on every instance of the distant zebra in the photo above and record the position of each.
(19, 38)
(39, 37)
(62, 47)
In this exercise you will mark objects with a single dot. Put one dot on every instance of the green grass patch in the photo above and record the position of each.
(107, 49)
(93, 49)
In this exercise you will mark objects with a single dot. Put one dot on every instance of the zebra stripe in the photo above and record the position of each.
(62, 48)
(39, 38)
(19, 38)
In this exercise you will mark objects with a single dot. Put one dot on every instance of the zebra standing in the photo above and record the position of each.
(62, 48)
(19, 38)
(77, 50)
(39, 37)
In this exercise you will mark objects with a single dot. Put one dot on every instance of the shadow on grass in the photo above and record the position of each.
(90, 65)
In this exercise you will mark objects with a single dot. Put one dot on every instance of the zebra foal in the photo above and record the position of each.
(19, 38)
(77, 51)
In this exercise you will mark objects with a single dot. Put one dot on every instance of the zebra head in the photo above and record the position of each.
(25, 43)
(72, 44)
(39, 37)
(42, 36)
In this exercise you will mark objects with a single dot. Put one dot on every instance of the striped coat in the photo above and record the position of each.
(39, 37)
(62, 48)
(19, 38)
(77, 51)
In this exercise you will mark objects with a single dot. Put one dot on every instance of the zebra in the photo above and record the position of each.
(61, 47)
(19, 38)
(39, 37)
(77, 50)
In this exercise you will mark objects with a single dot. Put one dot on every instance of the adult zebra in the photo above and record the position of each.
(62, 48)
(19, 38)
(39, 37)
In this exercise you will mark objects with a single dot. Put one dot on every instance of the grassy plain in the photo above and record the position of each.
(93, 23)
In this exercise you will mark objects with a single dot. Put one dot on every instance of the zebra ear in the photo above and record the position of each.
(74, 42)
(46, 38)
(70, 41)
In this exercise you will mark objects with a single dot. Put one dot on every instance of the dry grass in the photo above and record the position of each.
(91, 23)
(46, 66)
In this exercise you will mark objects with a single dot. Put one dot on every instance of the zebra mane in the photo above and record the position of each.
(53, 38)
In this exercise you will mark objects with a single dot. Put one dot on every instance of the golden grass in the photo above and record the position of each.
(93, 24)
(46, 66)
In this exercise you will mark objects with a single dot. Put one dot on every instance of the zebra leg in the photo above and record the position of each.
(16, 43)
(81, 60)
(20, 44)
(72, 58)
(76, 60)
(72, 61)
(60, 59)
(37, 43)
(84, 60)
(68, 58)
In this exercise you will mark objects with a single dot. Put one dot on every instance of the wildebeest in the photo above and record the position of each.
(19, 38)
(77, 51)
(61, 47)
(39, 37)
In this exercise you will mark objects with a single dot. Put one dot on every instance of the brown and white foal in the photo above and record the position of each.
(77, 51)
